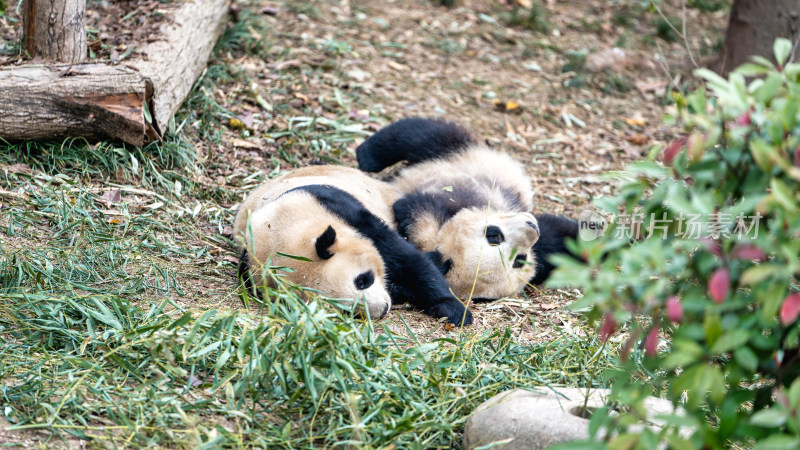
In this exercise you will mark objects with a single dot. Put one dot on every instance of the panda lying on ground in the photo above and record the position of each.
(468, 206)
(336, 217)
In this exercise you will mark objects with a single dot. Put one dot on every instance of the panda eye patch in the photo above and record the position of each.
(493, 235)
(364, 280)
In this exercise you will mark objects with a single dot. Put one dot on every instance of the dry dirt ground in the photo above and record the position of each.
(371, 62)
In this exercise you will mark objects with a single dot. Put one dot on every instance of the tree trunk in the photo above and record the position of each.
(88, 100)
(98, 101)
(55, 30)
(754, 25)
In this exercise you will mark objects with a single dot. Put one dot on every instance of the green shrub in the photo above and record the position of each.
(709, 314)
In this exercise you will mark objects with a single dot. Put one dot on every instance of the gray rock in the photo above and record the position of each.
(522, 419)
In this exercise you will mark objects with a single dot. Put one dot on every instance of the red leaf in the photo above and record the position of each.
(674, 148)
(749, 252)
(744, 119)
(790, 309)
(608, 327)
(714, 247)
(719, 285)
(674, 309)
(651, 341)
(797, 156)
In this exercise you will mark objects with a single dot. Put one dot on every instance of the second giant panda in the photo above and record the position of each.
(328, 224)
(466, 205)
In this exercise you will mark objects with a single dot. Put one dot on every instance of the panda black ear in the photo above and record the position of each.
(324, 242)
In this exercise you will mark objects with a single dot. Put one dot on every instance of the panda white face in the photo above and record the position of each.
(351, 267)
(342, 265)
(490, 252)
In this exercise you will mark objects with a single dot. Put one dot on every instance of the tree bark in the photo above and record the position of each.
(87, 100)
(55, 30)
(176, 60)
(98, 101)
(753, 27)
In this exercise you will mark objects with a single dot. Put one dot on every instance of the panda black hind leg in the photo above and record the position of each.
(554, 231)
(413, 140)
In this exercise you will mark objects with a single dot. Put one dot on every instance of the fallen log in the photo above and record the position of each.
(94, 101)
(133, 103)
(176, 60)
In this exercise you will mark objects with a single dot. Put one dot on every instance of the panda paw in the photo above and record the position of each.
(454, 310)
(367, 160)
(436, 258)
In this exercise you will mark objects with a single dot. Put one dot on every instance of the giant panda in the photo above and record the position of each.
(467, 206)
(333, 221)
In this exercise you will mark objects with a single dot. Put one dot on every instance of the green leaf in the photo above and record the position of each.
(757, 274)
(751, 69)
(778, 442)
(713, 329)
(716, 383)
(746, 358)
(791, 70)
(783, 194)
(684, 352)
(625, 441)
(794, 394)
(782, 48)
(731, 340)
(712, 78)
(769, 418)
(766, 92)
(758, 59)
(762, 153)
(299, 258)
(789, 113)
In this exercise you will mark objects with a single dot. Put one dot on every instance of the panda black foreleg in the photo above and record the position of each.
(554, 231)
(414, 278)
(414, 140)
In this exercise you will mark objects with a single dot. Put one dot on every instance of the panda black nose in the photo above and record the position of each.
(533, 225)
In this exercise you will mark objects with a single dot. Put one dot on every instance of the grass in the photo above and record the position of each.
(291, 375)
(96, 348)
(122, 324)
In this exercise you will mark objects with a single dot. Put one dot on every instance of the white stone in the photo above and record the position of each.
(526, 420)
